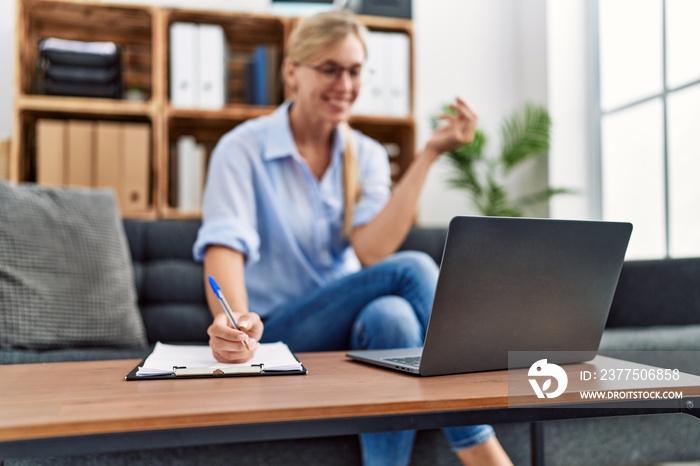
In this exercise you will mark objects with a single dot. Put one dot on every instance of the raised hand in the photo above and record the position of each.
(456, 129)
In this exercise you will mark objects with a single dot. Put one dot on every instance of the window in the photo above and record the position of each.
(649, 71)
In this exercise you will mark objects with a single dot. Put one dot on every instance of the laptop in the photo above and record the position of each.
(516, 284)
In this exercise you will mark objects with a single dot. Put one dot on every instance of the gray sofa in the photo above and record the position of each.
(657, 306)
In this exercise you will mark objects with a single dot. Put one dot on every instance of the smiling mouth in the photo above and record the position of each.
(339, 103)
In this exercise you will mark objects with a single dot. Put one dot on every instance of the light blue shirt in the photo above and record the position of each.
(261, 199)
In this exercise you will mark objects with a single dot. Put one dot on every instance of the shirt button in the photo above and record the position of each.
(325, 257)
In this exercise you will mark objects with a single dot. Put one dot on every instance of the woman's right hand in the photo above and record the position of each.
(227, 343)
(456, 129)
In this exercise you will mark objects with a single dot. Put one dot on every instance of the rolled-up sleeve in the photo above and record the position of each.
(375, 180)
(229, 209)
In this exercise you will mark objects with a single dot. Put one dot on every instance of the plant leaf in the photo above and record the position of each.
(465, 159)
(472, 150)
(496, 203)
(542, 196)
(525, 134)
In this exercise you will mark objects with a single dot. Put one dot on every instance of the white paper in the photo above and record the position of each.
(273, 357)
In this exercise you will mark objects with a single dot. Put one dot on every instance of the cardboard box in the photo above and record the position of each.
(4, 159)
(50, 152)
(108, 150)
(80, 152)
(135, 171)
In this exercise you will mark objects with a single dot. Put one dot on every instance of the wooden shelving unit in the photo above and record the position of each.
(142, 33)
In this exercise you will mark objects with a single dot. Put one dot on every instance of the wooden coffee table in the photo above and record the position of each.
(88, 407)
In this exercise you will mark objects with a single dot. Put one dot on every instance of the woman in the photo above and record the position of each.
(296, 204)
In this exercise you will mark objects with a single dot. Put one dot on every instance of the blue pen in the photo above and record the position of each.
(224, 304)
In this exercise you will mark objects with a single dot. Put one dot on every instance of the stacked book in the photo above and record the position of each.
(262, 82)
(76, 68)
(254, 76)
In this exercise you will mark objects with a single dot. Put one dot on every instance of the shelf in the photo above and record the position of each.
(150, 214)
(130, 27)
(82, 105)
(381, 120)
(381, 23)
(231, 112)
(142, 33)
(175, 213)
(253, 20)
(89, 21)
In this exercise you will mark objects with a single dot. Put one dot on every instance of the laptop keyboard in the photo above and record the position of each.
(412, 361)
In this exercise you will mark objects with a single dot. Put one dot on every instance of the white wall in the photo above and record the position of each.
(492, 53)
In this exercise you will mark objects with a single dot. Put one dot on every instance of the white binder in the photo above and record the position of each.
(184, 69)
(398, 83)
(371, 98)
(190, 174)
(212, 69)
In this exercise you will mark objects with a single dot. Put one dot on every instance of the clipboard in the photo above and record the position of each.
(207, 367)
(183, 372)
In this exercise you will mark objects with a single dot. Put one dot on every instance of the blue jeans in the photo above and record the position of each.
(383, 306)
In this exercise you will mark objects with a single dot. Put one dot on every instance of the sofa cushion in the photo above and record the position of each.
(26, 356)
(430, 240)
(169, 283)
(66, 278)
(657, 338)
(657, 292)
(669, 347)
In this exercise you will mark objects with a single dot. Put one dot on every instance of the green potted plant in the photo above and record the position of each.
(525, 136)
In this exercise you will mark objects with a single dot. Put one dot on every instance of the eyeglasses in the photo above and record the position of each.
(331, 73)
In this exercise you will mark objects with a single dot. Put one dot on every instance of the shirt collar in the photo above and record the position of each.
(280, 142)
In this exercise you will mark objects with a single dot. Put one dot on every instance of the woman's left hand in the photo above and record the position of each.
(456, 129)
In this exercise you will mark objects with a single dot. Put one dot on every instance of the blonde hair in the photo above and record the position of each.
(311, 36)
